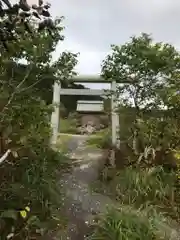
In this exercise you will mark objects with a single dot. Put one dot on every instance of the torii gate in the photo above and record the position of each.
(58, 91)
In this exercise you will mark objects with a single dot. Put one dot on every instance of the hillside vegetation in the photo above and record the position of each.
(145, 180)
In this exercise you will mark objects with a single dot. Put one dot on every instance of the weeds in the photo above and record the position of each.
(137, 187)
(147, 200)
(127, 223)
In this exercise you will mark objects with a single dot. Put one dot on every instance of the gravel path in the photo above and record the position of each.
(80, 203)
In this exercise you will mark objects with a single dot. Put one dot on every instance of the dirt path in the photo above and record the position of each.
(80, 203)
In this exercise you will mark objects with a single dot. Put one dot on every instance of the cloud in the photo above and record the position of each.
(97, 24)
(89, 62)
(32, 1)
(86, 56)
(91, 26)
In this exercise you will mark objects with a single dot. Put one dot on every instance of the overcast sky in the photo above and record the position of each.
(93, 25)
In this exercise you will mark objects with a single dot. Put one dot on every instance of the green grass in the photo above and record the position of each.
(62, 142)
(138, 187)
(100, 139)
(68, 126)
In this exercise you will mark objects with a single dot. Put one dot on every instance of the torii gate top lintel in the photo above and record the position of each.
(89, 79)
(96, 79)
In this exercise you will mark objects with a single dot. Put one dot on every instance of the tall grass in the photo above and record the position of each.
(137, 186)
(127, 223)
(147, 205)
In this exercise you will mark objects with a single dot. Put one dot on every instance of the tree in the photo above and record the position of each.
(19, 18)
(38, 66)
(144, 66)
(148, 74)
(27, 174)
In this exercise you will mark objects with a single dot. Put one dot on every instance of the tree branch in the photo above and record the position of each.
(31, 86)
(16, 90)
(5, 155)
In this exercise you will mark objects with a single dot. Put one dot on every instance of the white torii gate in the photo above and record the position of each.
(58, 91)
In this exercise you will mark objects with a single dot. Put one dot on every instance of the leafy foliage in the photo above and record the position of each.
(148, 95)
(29, 195)
(143, 66)
(21, 18)
(149, 86)
(31, 181)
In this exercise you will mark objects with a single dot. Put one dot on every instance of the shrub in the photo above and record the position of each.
(31, 182)
(29, 175)
(29, 194)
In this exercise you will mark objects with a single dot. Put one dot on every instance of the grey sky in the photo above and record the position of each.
(93, 25)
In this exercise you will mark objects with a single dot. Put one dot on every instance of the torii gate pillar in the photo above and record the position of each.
(55, 114)
(114, 117)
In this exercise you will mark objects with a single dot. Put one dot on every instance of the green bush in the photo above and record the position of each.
(30, 197)
(31, 183)
(29, 194)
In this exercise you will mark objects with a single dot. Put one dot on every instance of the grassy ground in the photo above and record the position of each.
(62, 142)
(99, 139)
(68, 126)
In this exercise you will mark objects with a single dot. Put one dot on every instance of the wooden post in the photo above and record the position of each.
(55, 114)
